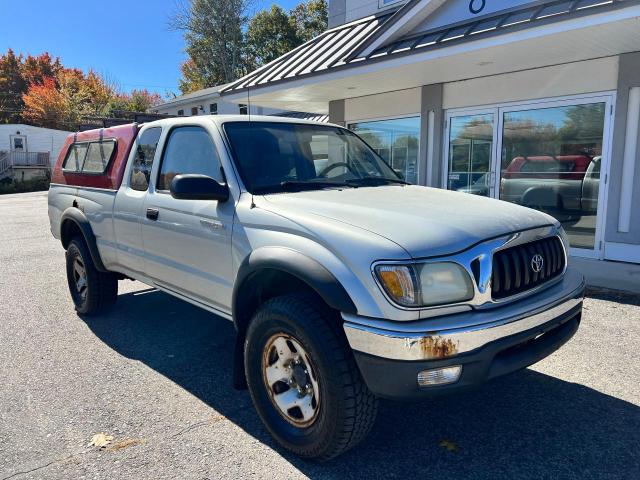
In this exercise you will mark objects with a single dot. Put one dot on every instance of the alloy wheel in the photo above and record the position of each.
(291, 380)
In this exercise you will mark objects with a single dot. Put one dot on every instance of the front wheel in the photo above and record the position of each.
(303, 378)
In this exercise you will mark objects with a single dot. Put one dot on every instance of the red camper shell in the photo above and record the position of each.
(95, 158)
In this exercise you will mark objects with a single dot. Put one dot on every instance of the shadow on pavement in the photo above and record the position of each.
(527, 425)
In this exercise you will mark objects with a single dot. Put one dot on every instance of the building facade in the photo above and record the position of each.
(28, 152)
(533, 102)
(208, 102)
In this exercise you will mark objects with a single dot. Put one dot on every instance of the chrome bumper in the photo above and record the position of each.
(444, 337)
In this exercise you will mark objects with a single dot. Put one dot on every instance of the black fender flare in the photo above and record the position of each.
(295, 263)
(75, 215)
(289, 261)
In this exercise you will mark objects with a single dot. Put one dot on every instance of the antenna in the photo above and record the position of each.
(253, 204)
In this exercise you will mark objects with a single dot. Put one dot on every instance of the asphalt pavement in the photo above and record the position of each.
(155, 374)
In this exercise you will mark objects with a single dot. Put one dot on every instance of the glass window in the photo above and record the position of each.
(213, 108)
(98, 156)
(89, 157)
(142, 162)
(276, 157)
(242, 108)
(551, 160)
(75, 157)
(188, 150)
(470, 153)
(194, 110)
(180, 112)
(396, 141)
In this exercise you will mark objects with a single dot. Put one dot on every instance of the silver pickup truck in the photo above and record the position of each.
(344, 283)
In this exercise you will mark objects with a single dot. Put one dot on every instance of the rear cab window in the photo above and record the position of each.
(143, 160)
(89, 157)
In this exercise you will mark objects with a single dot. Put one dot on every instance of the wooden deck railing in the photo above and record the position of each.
(9, 159)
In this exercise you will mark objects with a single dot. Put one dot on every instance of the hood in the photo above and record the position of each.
(424, 221)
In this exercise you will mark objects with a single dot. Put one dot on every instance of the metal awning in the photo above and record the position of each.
(314, 117)
(340, 47)
(328, 50)
(503, 22)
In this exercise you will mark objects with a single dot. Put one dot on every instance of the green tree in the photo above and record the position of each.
(12, 87)
(214, 36)
(310, 19)
(271, 33)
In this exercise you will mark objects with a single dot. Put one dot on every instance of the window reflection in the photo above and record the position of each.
(396, 141)
(551, 161)
(470, 147)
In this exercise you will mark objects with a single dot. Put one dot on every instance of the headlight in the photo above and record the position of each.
(425, 284)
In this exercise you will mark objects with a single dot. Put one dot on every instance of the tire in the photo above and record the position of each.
(99, 290)
(345, 409)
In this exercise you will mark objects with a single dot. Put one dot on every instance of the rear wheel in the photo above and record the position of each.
(303, 378)
(92, 291)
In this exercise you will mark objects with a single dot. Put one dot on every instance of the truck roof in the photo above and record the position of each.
(124, 137)
(220, 119)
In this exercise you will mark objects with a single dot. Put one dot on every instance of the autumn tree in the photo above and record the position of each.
(45, 105)
(35, 69)
(12, 87)
(142, 100)
(39, 90)
(192, 80)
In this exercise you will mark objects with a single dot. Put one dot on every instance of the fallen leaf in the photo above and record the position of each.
(100, 440)
(449, 446)
(126, 443)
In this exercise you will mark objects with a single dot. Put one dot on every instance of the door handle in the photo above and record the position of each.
(152, 213)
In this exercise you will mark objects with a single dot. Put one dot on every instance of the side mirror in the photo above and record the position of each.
(198, 187)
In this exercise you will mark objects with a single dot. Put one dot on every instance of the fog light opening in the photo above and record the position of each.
(439, 376)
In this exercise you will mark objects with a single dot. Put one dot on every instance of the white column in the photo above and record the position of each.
(629, 160)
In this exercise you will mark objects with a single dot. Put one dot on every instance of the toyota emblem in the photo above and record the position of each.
(537, 262)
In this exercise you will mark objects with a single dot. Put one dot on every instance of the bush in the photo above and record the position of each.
(32, 185)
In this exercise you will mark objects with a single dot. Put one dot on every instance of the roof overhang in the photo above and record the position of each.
(603, 33)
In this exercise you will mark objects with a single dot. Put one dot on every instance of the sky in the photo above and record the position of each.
(126, 40)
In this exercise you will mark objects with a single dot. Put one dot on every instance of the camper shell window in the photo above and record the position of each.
(89, 157)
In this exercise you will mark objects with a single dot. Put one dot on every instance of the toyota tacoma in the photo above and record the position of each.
(345, 283)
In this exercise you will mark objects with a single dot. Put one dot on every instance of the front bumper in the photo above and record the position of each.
(486, 343)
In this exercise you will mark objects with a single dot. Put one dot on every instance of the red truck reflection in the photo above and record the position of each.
(563, 183)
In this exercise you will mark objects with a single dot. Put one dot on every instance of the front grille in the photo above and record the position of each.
(514, 269)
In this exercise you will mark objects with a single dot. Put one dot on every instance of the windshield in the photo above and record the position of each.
(277, 157)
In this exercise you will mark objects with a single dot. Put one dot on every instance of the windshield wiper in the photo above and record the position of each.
(312, 184)
(374, 181)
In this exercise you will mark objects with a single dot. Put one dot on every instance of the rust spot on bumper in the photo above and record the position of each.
(437, 347)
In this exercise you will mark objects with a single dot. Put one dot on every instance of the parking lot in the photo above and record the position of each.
(155, 374)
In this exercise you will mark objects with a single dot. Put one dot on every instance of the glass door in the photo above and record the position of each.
(470, 152)
(551, 157)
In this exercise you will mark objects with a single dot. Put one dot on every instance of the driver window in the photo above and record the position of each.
(189, 150)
